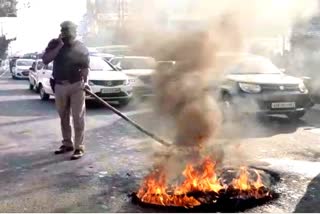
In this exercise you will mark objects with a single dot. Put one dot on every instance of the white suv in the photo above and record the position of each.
(104, 80)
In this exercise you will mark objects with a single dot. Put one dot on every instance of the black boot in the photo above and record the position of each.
(63, 149)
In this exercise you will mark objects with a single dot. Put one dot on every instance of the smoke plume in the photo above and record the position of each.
(183, 91)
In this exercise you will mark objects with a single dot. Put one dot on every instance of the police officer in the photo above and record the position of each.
(70, 72)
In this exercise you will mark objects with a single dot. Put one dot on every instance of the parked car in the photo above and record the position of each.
(139, 69)
(255, 85)
(38, 71)
(114, 49)
(12, 63)
(20, 69)
(105, 57)
(104, 80)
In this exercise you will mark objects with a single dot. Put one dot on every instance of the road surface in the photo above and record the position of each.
(118, 157)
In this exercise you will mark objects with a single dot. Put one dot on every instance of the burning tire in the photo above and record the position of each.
(204, 190)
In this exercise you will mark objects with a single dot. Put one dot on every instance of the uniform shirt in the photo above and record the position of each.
(70, 59)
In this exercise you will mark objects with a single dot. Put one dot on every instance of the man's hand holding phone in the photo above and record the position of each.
(60, 41)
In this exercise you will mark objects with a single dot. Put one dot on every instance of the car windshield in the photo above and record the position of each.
(98, 64)
(255, 66)
(24, 63)
(138, 63)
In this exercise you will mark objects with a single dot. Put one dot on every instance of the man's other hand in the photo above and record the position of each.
(86, 87)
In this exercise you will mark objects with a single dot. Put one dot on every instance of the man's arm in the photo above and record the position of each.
(84, 74)
(51, 52)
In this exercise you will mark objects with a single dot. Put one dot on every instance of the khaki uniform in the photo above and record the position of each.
(70, 100)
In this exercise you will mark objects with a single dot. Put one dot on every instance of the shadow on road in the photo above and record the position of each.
(112, 196)
(37, 107)
(24, 122)
(310, 202)
(27, 108)
(8, 81)
(15, 92)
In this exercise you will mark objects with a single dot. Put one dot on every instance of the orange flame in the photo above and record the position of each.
(204, 180)
(155, 189)
(242, 183)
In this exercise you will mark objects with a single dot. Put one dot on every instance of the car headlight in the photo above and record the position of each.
(132, 80)
(127, 82)
(250, 88)
(303, 88)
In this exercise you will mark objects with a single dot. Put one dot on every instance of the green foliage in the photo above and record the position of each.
(8, 8)
(4, 44)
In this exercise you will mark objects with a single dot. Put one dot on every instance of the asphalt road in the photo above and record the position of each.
(118, 157)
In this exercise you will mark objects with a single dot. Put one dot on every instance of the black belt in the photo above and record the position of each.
(65, 82)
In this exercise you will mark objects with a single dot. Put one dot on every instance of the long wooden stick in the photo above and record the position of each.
(153, 136)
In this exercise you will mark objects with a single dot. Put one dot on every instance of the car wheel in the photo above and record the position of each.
(36, 88)
(296, 115)
(124, 102)
(43, 95)
(31, 87)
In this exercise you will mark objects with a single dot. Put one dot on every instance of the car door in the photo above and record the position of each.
(32, 73)
(47, 71)
(40, 72)
(46, 74)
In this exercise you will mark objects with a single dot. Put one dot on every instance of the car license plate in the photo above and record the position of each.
(110, 90)
(284, 105)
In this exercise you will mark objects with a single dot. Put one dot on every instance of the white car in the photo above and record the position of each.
(38, 71)
(104, 80)
(105, 57)
(21, 68)
(139, 69)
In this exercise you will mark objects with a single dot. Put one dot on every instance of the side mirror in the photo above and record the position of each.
(31, 69)
(306, 78)
(119, 67)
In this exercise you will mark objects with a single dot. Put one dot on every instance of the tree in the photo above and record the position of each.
(8, 8)
(4, 44)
